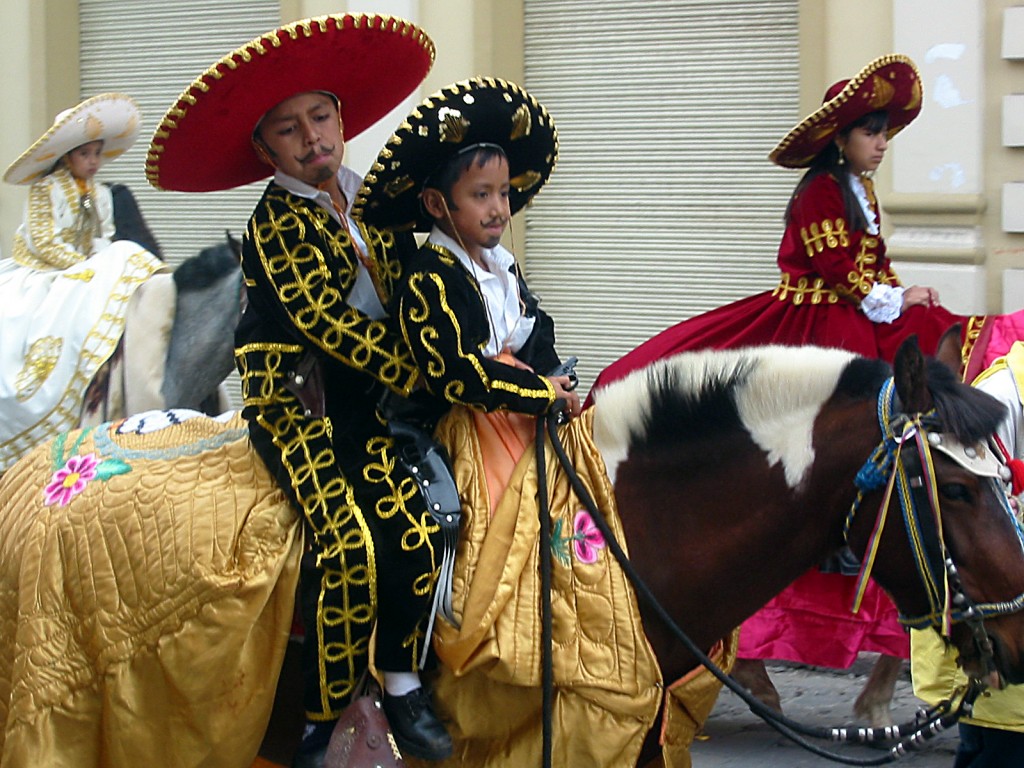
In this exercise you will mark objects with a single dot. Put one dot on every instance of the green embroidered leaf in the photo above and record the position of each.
(108, 468)
(560, 544)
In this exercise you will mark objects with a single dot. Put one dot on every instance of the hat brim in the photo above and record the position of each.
(890, 83)
(370, 62)
(113, 118)
(470, 112)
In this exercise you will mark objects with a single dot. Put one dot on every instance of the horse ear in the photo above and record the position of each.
(911, 378)
(948, 351)
(233, 243)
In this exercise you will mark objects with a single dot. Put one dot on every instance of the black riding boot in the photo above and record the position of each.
(416, 727)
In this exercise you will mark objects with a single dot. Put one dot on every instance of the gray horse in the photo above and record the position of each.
(198, 306)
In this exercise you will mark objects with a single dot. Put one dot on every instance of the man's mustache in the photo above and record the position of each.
(320, 150)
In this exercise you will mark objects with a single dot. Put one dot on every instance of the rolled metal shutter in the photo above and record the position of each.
(152, 51)
(663, 204)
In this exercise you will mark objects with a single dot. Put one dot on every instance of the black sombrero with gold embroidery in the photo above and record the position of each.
(483, 110)
(890, 83)
(368, 61)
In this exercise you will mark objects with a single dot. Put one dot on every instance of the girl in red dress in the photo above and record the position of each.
(837, 288)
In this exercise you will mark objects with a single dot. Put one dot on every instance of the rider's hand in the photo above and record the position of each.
(562, 386)
(920, 295)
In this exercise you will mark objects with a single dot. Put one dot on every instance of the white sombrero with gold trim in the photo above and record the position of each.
(113, 118)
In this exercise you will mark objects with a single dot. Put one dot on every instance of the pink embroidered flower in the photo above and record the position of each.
(587, 539)
(71, 479)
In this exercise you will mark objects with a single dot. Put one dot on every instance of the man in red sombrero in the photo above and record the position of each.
(315, 349)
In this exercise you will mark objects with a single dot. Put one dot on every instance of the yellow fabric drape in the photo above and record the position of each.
(608, 685)
(145, 622)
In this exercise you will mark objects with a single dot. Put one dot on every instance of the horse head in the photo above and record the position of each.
(957, 561)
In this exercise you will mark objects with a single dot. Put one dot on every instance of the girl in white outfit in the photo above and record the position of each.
(65, 290)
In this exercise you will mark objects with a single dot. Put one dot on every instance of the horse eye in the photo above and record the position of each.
(955, 492)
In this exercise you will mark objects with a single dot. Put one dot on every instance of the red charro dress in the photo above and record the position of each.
(826, 272)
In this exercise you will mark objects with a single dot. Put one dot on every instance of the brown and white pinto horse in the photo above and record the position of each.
(733, 471)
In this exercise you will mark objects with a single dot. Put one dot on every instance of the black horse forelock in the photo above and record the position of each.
(863, 377)
(207, 267)
(968, 413)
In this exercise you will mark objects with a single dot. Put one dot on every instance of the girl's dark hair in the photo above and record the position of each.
(827, 161)
(444, 178)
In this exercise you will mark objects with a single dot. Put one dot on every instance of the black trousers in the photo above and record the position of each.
(989, 748)
(371, 552)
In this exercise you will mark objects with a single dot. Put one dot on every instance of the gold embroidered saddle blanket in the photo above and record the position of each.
(146, 593)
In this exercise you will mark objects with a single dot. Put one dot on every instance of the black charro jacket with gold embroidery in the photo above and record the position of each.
(299, 266)
(444, 321)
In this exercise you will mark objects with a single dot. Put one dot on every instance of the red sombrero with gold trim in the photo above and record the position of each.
(889, 83)
(370, 62)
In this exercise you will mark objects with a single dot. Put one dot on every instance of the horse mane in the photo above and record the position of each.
(129, 223)
(969, 414)
(774, 393)
(206, 267)
(771, 393)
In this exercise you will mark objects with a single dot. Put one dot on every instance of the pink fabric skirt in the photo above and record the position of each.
(810, 622)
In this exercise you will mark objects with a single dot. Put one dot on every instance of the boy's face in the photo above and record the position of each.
(480, 207)
(303, 137)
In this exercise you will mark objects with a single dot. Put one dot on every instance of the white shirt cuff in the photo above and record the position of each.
(883, 304)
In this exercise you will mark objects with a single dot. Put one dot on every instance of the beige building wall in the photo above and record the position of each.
(40, 79)
(486, 37)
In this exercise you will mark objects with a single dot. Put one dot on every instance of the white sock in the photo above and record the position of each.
(401, 683)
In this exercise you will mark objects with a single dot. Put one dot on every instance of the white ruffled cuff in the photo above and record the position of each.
(883, 304)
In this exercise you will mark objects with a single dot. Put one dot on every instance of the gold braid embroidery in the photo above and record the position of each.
(302, 281)
(50, 249)
(830, 235)
(455, 389)
(812, 292)
(40, 361)
(339, 526)
(262, 381)
(827, 234)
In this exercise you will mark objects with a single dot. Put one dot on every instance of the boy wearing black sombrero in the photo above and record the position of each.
(314, 348)
(461, 164)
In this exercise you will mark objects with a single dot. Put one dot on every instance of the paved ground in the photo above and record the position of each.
(736, 738)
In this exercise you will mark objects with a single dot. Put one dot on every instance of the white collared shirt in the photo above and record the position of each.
(363, 295)
(510, 328)
(865, 205)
